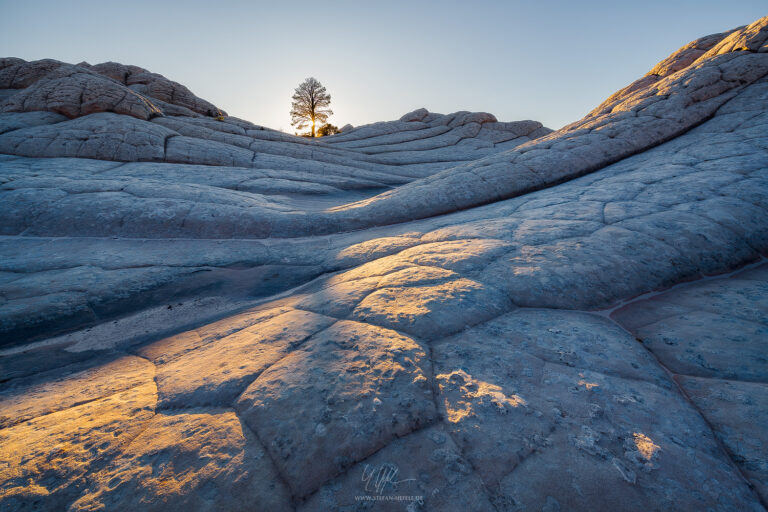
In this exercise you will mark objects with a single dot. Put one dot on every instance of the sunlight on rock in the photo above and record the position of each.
(172, 347)
(185, 456)
(376, 248)
(191, 379)
(586, 384)
(645, 445)
(478, 394)
(432, 311)
(73, 387)
(58, 450)
(462, 256)
(521, 270)
(364, 385)
(375, 268)
(199, 313)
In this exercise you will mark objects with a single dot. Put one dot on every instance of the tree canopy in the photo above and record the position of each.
(327, 129)
(310, 104)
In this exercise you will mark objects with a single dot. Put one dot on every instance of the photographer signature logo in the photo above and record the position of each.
(377, 478)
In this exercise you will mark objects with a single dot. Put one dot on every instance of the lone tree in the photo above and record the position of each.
(310, 104)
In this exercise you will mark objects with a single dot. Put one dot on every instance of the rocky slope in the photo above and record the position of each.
(484, 315)
(117, 151)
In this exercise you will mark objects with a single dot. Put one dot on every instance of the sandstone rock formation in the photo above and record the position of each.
(443, 312)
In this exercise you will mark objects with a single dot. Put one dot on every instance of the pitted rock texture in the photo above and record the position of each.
(541, 406)
(443, 312)
(74, 93)
(713, 335)
(156, 86)
(49, 85)
(195, 459)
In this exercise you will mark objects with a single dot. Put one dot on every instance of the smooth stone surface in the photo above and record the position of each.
(357, 387)
(70, 386)
(738, 412)
(197, 459)
(265, 319)
(712, 333)
(217, 372)
(424, 470)
(716, 328)
(57, 452)
(542, 423)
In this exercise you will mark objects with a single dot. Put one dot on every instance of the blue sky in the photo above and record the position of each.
(551, 61)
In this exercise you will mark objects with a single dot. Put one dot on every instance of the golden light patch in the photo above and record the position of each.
(588, 385)
(458, 412)
(645, 445)
(474, 393)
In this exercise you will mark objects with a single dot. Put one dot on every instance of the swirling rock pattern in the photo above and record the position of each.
(443, 312)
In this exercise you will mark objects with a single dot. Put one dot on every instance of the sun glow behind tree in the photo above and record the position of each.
(310, 105)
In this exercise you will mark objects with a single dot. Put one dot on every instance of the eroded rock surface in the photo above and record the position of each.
(357, 386)
(196, 459)
(443, 312)
(545, 411)
(712, 335)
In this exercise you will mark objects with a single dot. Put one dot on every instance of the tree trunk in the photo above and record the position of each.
(313, 128)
